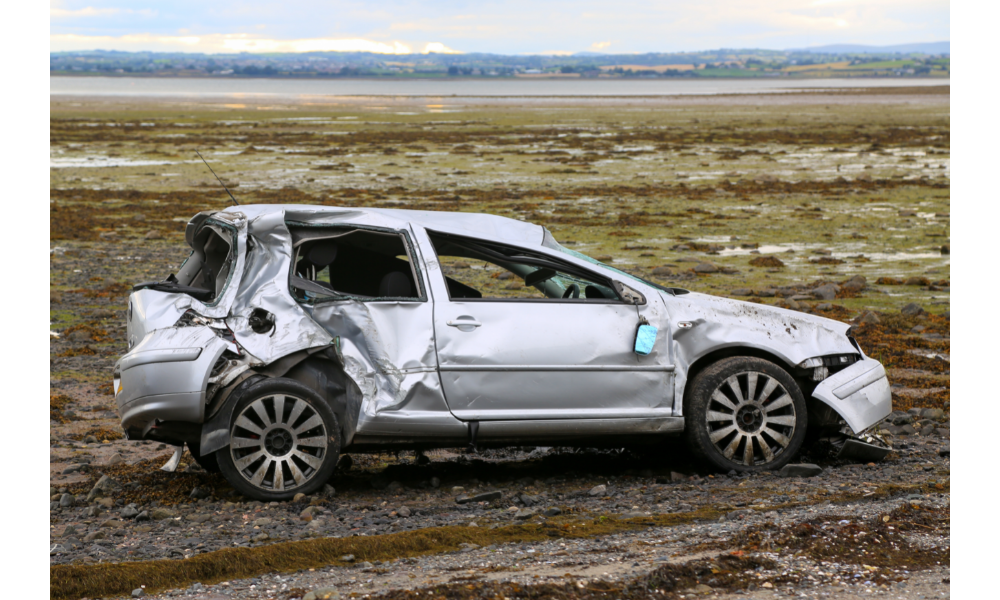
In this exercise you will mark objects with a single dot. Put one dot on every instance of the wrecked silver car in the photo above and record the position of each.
(295, 333)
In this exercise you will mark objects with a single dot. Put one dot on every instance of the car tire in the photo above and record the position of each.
(209, 462)
(745, 414)
(273, 458)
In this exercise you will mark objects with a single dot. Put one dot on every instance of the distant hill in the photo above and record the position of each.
(924, 48)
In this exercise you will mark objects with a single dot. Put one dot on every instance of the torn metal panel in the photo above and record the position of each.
(860, 394)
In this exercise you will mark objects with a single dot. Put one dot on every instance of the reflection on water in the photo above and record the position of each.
(300, 90)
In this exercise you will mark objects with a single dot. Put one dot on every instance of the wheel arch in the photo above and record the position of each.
(317, 369)
(710, 358)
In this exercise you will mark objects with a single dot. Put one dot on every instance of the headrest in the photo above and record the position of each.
(395, 285)
(536, 277)
(322, 254)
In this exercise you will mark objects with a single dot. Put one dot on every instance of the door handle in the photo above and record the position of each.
(464, 323)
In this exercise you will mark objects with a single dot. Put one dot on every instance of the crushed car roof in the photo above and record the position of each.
(472, 224)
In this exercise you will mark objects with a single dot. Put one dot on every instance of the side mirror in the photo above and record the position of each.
(628, 294)
(645, 339)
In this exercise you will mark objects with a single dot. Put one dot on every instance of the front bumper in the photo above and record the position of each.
(860, 394)
(164, 377)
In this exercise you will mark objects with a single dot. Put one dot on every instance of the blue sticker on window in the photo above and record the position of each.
(644, 339)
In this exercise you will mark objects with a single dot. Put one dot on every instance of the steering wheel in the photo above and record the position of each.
(573, 291)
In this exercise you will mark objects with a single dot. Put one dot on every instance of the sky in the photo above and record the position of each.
(501, 27)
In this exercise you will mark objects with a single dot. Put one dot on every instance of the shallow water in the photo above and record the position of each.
(259, 89)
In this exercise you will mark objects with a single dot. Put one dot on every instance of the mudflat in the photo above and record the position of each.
(769, 198)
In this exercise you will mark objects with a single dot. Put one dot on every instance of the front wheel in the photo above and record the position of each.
(283, 440)
(745, 414)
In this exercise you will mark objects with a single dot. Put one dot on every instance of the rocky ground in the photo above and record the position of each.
(840, 211)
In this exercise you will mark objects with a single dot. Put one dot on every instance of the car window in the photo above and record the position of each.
(209, 267)
(481, 270)
(337, 262)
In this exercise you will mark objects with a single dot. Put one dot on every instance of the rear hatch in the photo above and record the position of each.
(207, 282)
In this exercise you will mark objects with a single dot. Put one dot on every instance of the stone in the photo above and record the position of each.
(912, 310)
(56, 549)
(104, 486)
(94, 535)
(457, 489)
(854, 284)
(663, 272)
(116, 459)
(298, 497)
(200, 492)
(394, 486)
(701, 589)
(826, 292)
(800, 470)
(598, 490)
(435, 482)
(159, 514)
(945, 452)
(867, 318)
(347, 558)
(110, 524)
(138, 593)
(525, 513)
(262, 522)
(552, 511)
(529, 500)
(944, 432)
(706, 267)
(675, 476)
(93, 511)
(907, 430)
(403, 511)
(328, 491)
(309, 512)
(142, 516)
(484, 497)
(326, 593)
(935, 414)
(467, 547)
(742, 292)
(129, 512)
(900, 418)
(66, 500)
(261, 537)
(70, 530)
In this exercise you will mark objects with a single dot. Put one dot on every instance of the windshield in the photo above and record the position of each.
(550, 242)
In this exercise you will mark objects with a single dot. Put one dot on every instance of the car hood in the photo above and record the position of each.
(711, 323)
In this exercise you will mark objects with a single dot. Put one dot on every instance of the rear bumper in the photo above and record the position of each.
(165, 376)
(860, 394)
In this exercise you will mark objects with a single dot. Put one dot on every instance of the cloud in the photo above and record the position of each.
(228, 43)
(506, 26)
(439, 48)
(90, 11)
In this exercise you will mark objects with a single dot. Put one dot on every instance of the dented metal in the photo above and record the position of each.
(417, 370)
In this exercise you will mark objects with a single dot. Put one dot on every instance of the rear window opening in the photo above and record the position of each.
(205, 274)
(336, 262)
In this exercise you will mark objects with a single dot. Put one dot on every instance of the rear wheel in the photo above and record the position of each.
(283, 440)
(745, 414)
